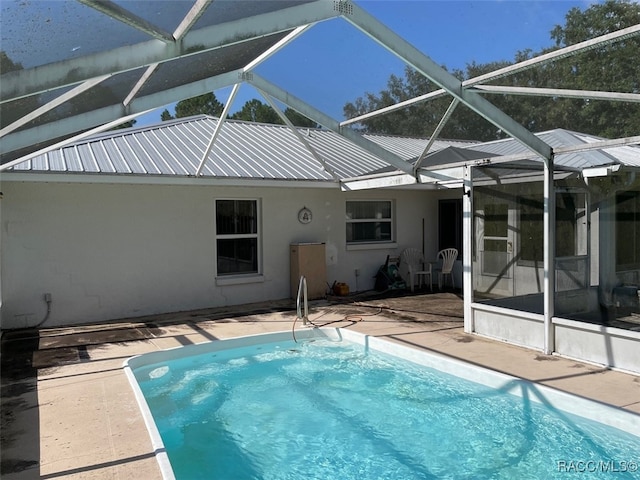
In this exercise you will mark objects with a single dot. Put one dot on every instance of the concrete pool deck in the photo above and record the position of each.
(68, 410)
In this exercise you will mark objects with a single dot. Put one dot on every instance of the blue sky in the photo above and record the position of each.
(334, 63)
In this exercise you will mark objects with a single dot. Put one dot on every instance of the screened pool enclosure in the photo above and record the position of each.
(550, 256)
(580, 224)
(597, 251)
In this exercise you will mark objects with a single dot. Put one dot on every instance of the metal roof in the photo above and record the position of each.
(508, 160)
(410, 148)
(577, 160)
(242, 150)
(257, 151)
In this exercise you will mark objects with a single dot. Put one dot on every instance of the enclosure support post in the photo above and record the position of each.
(549, 255)
(467, 230)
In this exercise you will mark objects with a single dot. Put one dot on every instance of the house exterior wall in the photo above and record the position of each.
(109, 251)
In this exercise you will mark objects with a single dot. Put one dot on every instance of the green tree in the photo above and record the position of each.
(7, 65)
(420, 119)
(206, 104)
(614, 67)
(417, 120)
(165, 115)
(128, 124)
(256, 111)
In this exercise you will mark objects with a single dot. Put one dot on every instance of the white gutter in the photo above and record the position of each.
(145, 179)
(600, 171)
(388, 180)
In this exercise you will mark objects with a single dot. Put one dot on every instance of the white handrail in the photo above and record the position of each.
(302, 292)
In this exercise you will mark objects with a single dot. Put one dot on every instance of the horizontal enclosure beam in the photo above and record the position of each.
(558, 92)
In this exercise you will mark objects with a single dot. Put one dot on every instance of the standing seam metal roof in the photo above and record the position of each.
(628, 155)
(410, 148)
(264, 151)
(242, 150)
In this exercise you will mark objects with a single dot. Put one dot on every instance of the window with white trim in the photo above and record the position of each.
(369, 221)
(237, 237)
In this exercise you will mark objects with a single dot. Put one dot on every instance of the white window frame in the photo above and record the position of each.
(239, 277)
(372, 243)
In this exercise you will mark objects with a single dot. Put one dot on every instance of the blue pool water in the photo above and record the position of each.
(335, 410)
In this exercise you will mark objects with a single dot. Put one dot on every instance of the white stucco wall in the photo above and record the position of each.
(106, 251)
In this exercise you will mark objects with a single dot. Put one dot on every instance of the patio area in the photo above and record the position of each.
(68, 410)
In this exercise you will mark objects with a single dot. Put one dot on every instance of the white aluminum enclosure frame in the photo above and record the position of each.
(83, 73)
(166, 46)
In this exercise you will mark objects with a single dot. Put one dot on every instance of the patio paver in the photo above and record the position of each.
(68, 410)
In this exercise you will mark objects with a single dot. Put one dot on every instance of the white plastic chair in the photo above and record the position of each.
(415, 261)
(448, 256)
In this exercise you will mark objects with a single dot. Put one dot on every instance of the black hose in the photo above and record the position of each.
(46, 317)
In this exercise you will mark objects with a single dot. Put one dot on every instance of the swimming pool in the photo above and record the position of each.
(342, 405)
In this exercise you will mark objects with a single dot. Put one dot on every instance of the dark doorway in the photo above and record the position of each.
(450, 224)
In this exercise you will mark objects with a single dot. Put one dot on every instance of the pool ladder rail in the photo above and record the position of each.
(302, 304)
